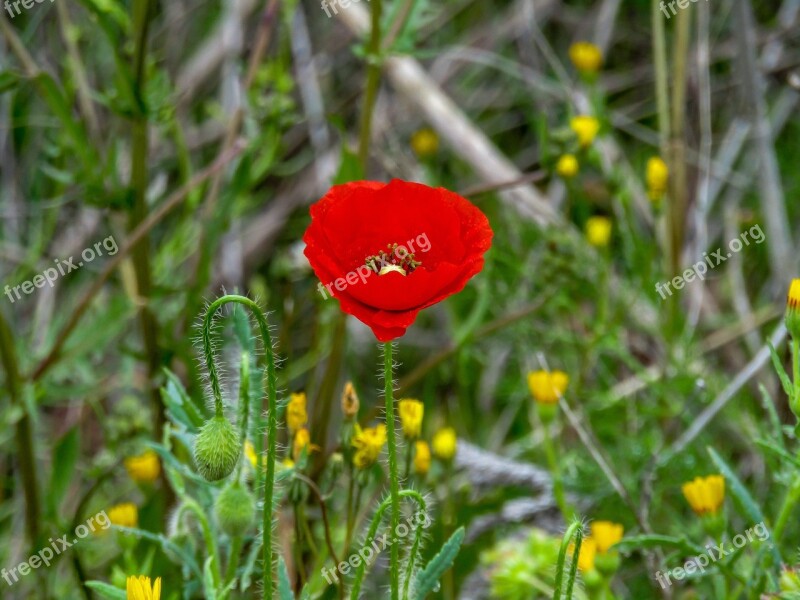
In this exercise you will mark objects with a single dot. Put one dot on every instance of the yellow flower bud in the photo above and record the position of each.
(422, 458)
(567, 166)
(124, 515)
(411, 412)
(586, 57)
(657, 178)
(705, 494)
(598, 231)
(368, 444)
(296, 415)
(144, 468)
(444, 443)
(547, 387)
(586, 129)
(425, 143)
(350, 402)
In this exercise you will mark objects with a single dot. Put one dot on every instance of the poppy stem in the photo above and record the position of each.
(394, 482)
(374, 67)
(271, 388)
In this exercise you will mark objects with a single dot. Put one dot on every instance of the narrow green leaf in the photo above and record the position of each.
(107, 591)
(209, 588)
(782, 374)
(284, 586)
(429, 577)
(65, 456)
(744, 501)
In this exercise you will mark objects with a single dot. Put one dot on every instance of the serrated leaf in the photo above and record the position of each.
(179, 405)
(429, 577)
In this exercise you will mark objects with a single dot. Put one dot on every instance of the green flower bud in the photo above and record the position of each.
(217, 449)
(235, 510)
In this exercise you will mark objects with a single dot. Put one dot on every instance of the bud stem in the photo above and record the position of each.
(272, 415)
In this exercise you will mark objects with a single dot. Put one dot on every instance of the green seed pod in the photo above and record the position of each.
(235, 510)
(217, 449)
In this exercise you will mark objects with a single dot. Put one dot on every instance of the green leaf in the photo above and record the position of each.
(8, 81)
(107, 591)
(65, 456)
(429, 577)
(349, 168)
(744, 501)
(782, 374)
(284, 586)
(179, 405)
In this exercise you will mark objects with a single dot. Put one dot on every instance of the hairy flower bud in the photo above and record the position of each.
(217, 449)
(350, 402)
(235, 509)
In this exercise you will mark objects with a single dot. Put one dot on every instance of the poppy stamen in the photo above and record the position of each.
(396, 259)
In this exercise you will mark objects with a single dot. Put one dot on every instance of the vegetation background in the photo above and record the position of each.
(196, 133)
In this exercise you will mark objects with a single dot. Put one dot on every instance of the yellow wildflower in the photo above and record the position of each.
(793, 309)
(598, 231)
(567, 166)
(586, 129)
(425, 143)
(124, 515)
(422, 458)
(296, 415)
(302, 440)
(350, 402)
(657, 178)
(411, 412)
(444, 443)
(605, 534)
(144, 468)
(368, 444)
(586, 57)
(705, 494)
(139, 588)
(547, 386)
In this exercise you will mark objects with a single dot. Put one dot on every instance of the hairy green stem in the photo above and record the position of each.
(210, 542)
(575, 530)
(373, 82)
(233, 558)
(271, 387)
(373, 530)
(394, 481)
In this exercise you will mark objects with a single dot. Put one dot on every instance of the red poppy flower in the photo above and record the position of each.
(386, 251)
